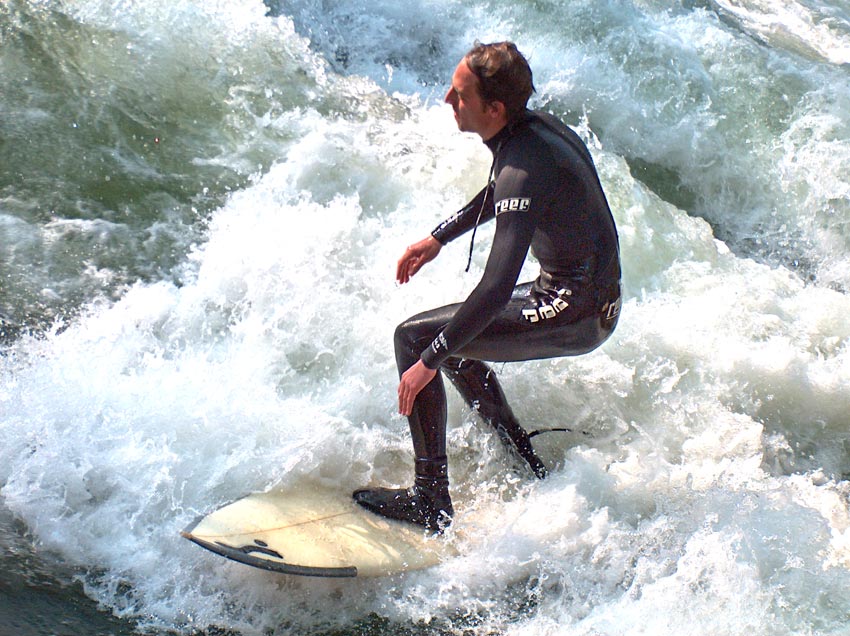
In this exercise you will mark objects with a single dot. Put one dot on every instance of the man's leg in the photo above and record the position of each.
(477, 383)
(508, 338)
(428, 502)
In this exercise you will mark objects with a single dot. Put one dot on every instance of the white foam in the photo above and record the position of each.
(699, 490)
(818, 29)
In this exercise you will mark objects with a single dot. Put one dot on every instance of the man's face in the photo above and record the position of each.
(471, 113)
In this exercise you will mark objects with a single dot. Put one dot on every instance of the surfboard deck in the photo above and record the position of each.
(314, 532)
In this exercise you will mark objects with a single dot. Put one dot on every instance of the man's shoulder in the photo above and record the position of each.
(543, 140)
(549, 119)
(543, 122)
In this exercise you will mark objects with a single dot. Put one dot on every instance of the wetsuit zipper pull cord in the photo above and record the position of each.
(490, 184)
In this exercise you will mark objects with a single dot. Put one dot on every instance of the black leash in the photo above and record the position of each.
(554, 430)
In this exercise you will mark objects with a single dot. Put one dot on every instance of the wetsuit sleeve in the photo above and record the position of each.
(514, 230)
(464, 219)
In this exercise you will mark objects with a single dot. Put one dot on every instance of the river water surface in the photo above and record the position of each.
(201, 207)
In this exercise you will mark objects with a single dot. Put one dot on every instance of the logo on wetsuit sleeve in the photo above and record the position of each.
(511, 205)
(439, 343)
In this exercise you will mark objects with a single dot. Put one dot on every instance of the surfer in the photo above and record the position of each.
(545, 194)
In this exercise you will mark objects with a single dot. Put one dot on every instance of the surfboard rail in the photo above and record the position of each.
(245, 554)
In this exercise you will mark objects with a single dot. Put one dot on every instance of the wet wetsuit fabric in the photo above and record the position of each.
(547, 197)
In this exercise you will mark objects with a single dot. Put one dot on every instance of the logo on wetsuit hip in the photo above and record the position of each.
(544, 312)
(511, 205)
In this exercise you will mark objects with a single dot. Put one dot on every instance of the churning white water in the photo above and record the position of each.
(198, 239)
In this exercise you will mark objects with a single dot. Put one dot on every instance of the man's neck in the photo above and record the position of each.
(494, 130)
(505, 131)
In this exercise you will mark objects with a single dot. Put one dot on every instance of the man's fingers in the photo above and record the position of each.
(405, 404)
(412, 382)
(408, 266)
(403, 270)
(415, 257)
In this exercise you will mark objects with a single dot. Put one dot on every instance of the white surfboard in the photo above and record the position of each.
(315, 533)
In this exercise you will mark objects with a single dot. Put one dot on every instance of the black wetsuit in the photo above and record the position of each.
(546, 195)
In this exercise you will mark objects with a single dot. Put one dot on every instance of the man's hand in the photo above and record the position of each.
(412, 382)
(415, 256)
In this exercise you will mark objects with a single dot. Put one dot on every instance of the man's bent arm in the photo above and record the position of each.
(464, 219)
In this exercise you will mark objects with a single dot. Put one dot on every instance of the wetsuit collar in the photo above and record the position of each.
(508, 130)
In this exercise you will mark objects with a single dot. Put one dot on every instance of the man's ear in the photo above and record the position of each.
(497, 110)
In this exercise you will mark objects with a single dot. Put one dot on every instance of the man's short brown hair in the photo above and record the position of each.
(503, 75)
